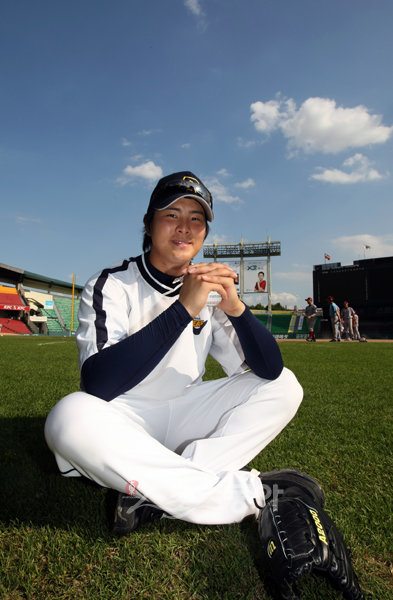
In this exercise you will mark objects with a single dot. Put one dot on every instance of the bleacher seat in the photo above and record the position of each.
(64, 306)
(52, 322)
(14, 326)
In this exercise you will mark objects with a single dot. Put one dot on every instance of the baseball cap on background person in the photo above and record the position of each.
(309, 298)
(183, 184)
(330, 298)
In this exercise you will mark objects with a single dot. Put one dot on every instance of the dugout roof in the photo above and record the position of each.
(16, 276)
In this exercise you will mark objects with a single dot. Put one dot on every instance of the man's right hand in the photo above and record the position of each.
(202, 278)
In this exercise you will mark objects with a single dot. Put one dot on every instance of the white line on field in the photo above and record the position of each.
(47, 343)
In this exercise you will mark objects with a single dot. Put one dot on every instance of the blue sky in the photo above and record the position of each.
(282, 107)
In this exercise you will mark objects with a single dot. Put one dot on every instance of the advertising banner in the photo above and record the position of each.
(14, 307)
(255, 272)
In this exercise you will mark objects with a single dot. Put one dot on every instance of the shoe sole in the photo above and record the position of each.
(292, 478)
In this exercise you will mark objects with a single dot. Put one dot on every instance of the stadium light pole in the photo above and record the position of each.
(72, 305)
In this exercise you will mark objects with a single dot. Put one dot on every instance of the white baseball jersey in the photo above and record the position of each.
(123, 299)
(159, 436)
(310, 310)
(347, 313)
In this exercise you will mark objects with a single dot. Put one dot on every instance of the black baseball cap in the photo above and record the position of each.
(183, 184)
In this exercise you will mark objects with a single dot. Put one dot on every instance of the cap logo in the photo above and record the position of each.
(190, 179)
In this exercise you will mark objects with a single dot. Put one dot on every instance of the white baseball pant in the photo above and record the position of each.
(348, 330)
(182, 454)
(336, 328)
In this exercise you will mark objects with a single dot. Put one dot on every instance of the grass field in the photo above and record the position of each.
(55, 541)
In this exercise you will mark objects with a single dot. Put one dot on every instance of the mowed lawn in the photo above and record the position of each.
(55, 540)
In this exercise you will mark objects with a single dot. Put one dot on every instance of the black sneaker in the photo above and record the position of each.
(288, 482)
(131, 513)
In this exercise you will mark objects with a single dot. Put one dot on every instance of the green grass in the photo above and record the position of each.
(55, 540)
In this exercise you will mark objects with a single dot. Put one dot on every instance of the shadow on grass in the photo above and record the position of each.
(34, 493)
(253, 544)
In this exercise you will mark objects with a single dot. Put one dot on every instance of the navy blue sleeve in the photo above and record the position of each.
(120, 367)
(261, 350)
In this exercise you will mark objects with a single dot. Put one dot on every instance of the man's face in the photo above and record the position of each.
(177, 234)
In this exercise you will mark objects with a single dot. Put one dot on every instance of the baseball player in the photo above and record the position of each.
(355, 324)
(144, 422)
(310, 313)
(347, 314)
(335, 319)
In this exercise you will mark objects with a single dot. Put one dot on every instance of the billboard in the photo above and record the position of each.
(255, 273)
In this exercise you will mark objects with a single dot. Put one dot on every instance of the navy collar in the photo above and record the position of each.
(162, 282)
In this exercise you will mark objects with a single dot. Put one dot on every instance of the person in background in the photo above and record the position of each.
(310, 313)
(347, 314)
(335, 319)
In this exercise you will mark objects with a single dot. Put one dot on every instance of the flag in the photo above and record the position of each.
(327, 257)
(367, 247)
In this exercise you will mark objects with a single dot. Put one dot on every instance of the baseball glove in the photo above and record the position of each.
(299, 538)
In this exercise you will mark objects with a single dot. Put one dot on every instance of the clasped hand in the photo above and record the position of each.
(203, 278)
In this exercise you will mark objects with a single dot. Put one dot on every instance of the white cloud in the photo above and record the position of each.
(244, 185)
(285, 299)
(194, 6)
(242, 143)
(223, 173)
(355, 245)
(147, 170)
(21, 219)
(186, 146)
(218, 239)
(146, 132)
(219, 191)
(362, 172)
(125, 142)
(319, 125)
(267, 115)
